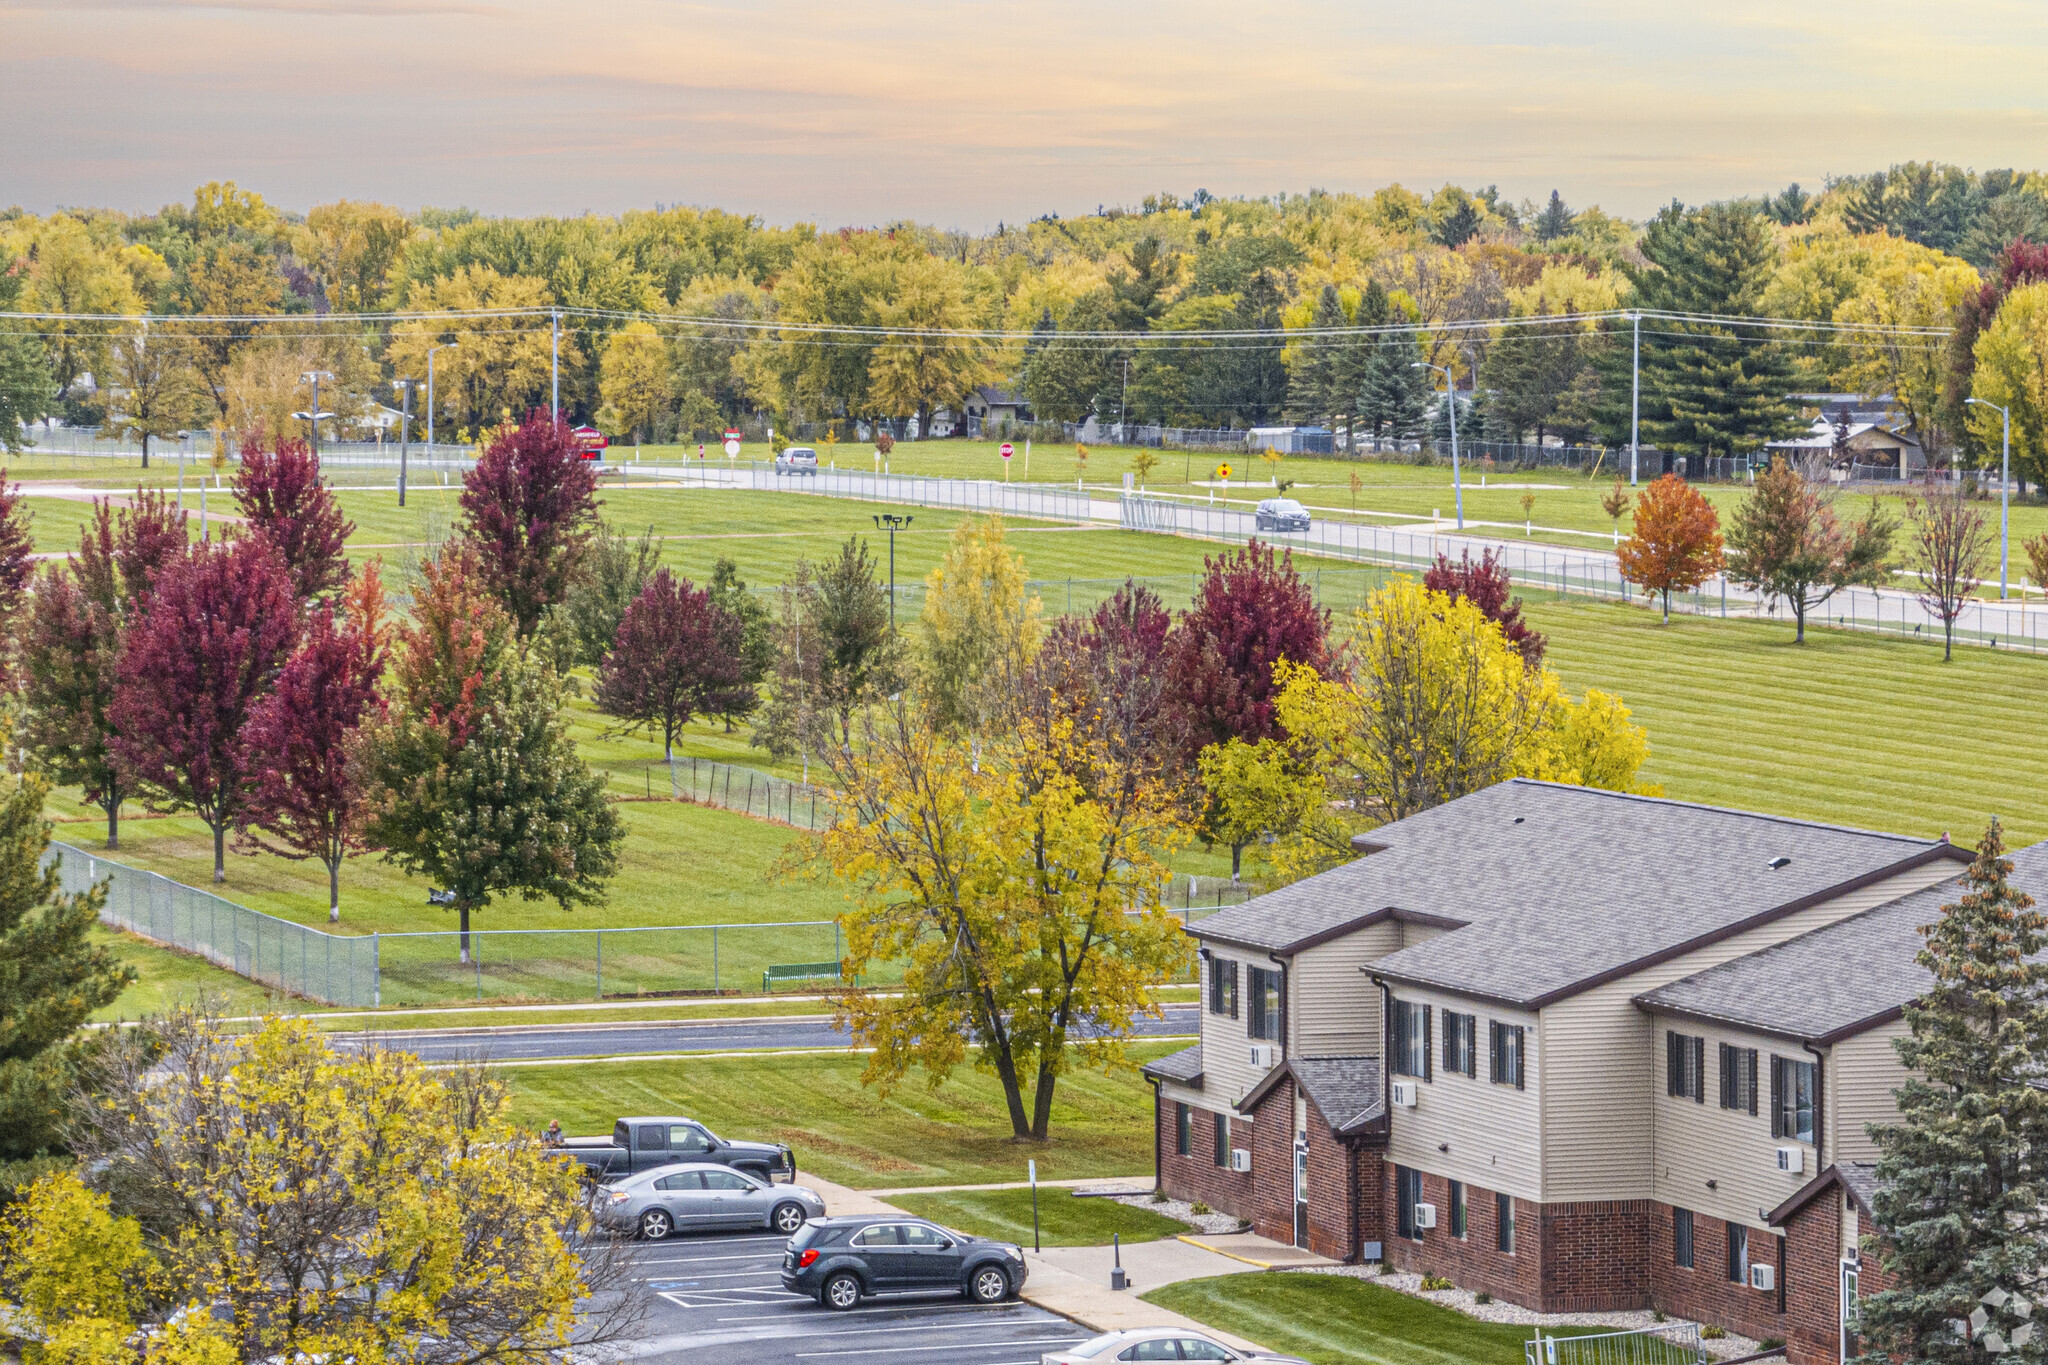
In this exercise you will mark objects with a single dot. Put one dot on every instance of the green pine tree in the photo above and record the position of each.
(1555, 221)
(26, 390)
(1312, 379)
(1963, 1175)
(1394, 393)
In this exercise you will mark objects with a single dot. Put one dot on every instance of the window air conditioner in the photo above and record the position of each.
(1764, 1277)
(1792, 1159)
(1425, 1216)
(1403, 1094)
(1262, 1056)
(1240, 1159)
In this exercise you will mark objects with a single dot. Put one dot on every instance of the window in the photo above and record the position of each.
(1685, 1064)
(1183, 1130)
(918, 1235)
(1160, 1348)
(1192, 1348)
(681, 1180)
(1223, 986)
(1461, 1038)
(688, 1138)
(1504, 1223)
(732, 1182)
(1458, 1209)
(1681, 1237)
(1738, 1253)
(1791, 1099)
(1410, 1054)
(1264, 988)
(1222, 1138)
(1407, 1194)
(883, 1235)
(1505, 1046)
(653, 1139)
(1738, 1078)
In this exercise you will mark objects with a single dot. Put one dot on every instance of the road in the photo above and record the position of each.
(775, 1033)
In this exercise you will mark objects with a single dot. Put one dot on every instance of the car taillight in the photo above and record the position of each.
(804, 1259)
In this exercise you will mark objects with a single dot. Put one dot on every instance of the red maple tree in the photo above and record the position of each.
(218, 622)
(307, 794)
(1676, 543)
(1484, 583)
(1250, 611)
(529, 507)
(677, 654)
(285, 501)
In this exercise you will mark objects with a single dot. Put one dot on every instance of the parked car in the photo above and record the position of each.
(691, 1198)
(1281, 514)
(641, 1144)
(797, 460)
(840, 1261)
(1156, 1343)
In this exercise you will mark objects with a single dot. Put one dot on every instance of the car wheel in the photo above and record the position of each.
(787, 1218)
(988, 1285)
(655, 1224)
(840, 1293)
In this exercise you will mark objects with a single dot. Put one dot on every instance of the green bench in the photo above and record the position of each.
(799, 971)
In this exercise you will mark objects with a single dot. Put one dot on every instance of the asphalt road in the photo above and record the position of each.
(546, 1042)
(719, 1297)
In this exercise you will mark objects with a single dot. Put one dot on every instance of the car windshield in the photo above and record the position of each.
(807, 1234)
(1101, 1345)
(1289, 507)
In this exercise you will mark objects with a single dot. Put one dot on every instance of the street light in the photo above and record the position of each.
(314, 377)
(405, 388)
(2004, 489)
(890, 522)
(444, 346)
(1450, 398)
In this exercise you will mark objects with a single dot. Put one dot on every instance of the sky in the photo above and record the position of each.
(966, 113)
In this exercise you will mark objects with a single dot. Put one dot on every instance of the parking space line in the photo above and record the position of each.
(721, 1275)
(700, 1260)
(947, 1308)
(1037, 1324)
(949, 1346)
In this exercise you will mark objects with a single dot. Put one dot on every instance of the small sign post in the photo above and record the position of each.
(1034, 1205)
(732, 444)
(1008, 451)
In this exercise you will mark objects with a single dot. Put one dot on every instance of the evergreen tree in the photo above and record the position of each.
(1963, 1175)
(1313, 377)
(1251, 386)
(613, 573)
(1069, 375)
(1394, 393)
(26, 390)
(1555, 221)
(757, 649)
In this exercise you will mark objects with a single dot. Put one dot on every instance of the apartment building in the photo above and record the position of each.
(1580, 1049)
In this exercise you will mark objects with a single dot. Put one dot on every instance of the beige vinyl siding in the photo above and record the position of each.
(1412, 934)
(1699, 1142)
(1227, 1070)
(1333, 1004)
(1863, 1070)
(1598, 1132)
(1171, 1094)
(1491, 1131)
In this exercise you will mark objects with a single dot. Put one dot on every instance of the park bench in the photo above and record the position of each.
(799, 971)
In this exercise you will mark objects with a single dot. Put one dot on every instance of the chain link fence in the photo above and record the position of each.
(1043, 502)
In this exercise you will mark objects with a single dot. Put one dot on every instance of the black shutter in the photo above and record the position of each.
(1493, 1051)
(1699, 1071)
(1673, 1081)
(1777, 1099)
(1750, 1075)
(1428, 1052)
(1725, 1055)
(1233, 989)
(1521, 1055)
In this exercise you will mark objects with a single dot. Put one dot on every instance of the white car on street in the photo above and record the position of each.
(1157, 1343)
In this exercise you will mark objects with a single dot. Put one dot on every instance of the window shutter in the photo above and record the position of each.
(1777, 1099)
(1749, 1077)
(1699, 1071)
(1493, 1051)
(1521, 1055)
(1428, 1052)
(1233, 990)
(1671, 1076)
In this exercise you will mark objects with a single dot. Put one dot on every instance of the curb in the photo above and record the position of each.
(1190, 1239)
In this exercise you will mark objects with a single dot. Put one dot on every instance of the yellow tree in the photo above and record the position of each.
(359, 244)
(500, 366)
(234, 280)
(71, 272)
(635, 381)
(2012, 371)
(979, 629)
(931, 367)
(1908, 287)
(156, 392)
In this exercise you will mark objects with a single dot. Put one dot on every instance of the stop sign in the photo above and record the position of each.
(1008, 450)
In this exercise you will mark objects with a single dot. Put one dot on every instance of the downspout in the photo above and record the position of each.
(1158, 1173)
(1820, 1162)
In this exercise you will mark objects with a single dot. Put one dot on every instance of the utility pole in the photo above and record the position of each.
(1123, 404)
(555, 365)
(1635, 397)
(2004, 492)
(890, 522)
(314, 377)
(405, 388)
(444, 346)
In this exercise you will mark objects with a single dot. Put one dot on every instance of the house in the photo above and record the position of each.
(1290, 440)
(1867, 449)
(988, 408)
(1552, 1043)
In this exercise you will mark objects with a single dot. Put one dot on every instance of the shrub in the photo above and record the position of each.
(1482, 1297)
(1771, 1344)
(1198, 1208)
(1432, 1283)
(1159, 1196)
(1712, 1333)
(1657, 1315)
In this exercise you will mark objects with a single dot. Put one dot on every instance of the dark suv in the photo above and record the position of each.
(840, 1261)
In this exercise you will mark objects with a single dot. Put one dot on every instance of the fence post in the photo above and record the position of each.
(376, 974)
(714, 960)
(600, 964)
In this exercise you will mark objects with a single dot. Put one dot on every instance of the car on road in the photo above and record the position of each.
(840, 1261)
(694, 1198)
(797, 460)
(641, 1144)
(1157, 1343)
(1280, 514)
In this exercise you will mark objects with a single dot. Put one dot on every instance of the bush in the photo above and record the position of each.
(1198, 1208)
(1432, 1283)
(1159, 1196)
(1771, 1344)
(1482, 1297)
(17, 1176)
(1657, 1315)
(1711, 1333)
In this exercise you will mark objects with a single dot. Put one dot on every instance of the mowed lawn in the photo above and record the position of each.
(955, 1134)
(1063, 1219)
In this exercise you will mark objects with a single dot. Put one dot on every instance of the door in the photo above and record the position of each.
(882, 1252)
(1301, 1190)
(689, 1142)
(650, 1147)
(729, 1199)
(682, 1194)
(934, 1258)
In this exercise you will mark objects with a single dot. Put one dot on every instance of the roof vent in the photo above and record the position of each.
(1778, 862)
(1518, 819)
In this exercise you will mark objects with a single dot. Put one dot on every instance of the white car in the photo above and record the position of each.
(1157, 1343)
(691, 1198)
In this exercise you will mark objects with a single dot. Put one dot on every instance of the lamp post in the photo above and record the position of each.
(1451, 399)
(314, 377)
(405, 388)
(2004, 489)
(444, 346)
(890, 522)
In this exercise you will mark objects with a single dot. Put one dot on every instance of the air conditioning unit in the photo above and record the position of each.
(1402, 1093)
(1263, 1056)
(1425, 1216)
(1764, 1277)
(1792, 1159)
(1240, 1158)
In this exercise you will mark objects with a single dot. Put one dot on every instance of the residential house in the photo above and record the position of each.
(1488, 1048)
(1864, 450)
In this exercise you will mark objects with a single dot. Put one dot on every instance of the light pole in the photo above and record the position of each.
(555, 368)
(2004, 490)
(444, 346)
(1451, 399)
(314, 377)
(890, 522)
(1635, 397)
(405, 388)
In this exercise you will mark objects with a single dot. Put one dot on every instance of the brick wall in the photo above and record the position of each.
(1707, 1294)
(1594, 1255)
(1813, 1268)
(1196, 1177)
(1272, 1206)
(1474, 1261)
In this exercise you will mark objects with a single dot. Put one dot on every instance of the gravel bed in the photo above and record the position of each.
(1721, 1348)
(1185, 1213)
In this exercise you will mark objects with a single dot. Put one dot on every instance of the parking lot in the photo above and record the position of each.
(720, 1297)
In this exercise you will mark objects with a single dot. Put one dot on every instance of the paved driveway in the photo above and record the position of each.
(719, 1297)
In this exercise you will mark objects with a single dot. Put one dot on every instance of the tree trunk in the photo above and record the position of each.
(462, 909)
(113, 810)
(1013, 1093)
(1667, 606)
(334, 892)
(1236, 860)
(1948, 641)
(1799, 616)
(145, 450)
(220, 853)
(1041, 1101)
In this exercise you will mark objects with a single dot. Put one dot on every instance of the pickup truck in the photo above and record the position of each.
(641, 1144)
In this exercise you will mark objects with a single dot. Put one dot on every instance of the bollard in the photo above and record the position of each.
(1117, 1278)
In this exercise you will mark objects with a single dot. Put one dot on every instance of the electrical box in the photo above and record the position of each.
(1403, 1094)
(1425, 1216)
(1240, 1159)
(1764, 1277)
(1792, 1159)
(1372, 1251)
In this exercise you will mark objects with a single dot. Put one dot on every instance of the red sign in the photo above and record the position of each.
(732, 433)
(1008, 450)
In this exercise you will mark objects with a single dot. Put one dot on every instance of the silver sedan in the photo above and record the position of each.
(700, 1198)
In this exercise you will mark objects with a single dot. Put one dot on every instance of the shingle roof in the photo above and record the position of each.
(1854, 972)
(1556, 886)
(1346, 1089)
(1183, 1067)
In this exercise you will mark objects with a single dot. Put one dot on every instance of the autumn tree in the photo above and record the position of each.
(979, 628)
(614, 571)
(677, 652)
(529, 506)
(286, 503)
(1675, 544)
(160, 394)
(935, 362)
(1787, 543)
(2011, 371)
(635, 383)
(1484, 583)
(218, 623)
(307, 794)
(1950, 539)
(27, 391)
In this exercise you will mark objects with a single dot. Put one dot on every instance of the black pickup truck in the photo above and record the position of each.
(641, 1144)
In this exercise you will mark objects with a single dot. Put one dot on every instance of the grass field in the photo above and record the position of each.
(1063, 1220)
(1338, 1320)
(956, 1134)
